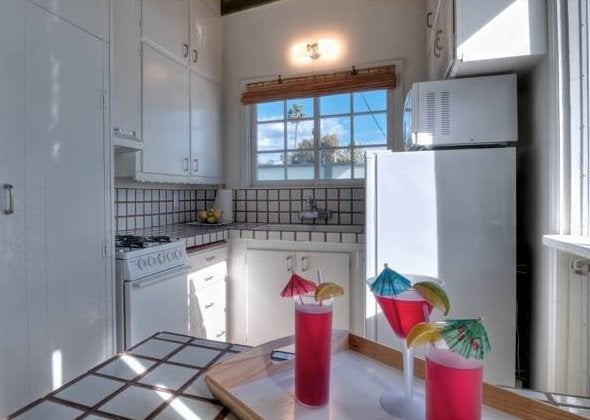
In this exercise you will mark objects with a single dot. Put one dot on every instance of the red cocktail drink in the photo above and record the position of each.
(313, 328)
(453, 386)
(404, 311)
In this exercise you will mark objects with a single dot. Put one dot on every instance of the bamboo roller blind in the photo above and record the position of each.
(323, 84)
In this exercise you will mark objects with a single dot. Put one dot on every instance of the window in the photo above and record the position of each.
(319, 138)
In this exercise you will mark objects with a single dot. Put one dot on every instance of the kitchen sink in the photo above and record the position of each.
(309, 228)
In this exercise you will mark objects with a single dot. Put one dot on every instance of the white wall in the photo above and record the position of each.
(257, 44)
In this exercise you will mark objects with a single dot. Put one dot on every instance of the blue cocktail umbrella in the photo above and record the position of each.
(389, 283)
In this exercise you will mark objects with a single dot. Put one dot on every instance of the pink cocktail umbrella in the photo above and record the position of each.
(297, 286)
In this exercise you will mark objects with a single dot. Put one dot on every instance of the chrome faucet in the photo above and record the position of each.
(313, 212)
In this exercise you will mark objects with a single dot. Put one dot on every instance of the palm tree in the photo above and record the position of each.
(294, 115)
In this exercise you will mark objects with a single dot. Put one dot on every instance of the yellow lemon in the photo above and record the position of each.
(203, 215)
(423, 333)
(328, 290)
(434, 294)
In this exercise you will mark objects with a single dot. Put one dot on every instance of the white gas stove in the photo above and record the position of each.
(152, 292)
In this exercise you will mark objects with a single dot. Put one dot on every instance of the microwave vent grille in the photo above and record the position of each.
(445, 113)
(431, 112)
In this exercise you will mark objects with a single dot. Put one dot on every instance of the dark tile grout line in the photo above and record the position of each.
(127, 383)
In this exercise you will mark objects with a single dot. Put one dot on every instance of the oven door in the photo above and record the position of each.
(156, 303)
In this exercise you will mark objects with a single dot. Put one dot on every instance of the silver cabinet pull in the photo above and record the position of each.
(185, 164)
(9, 199)
(428, 22)
(437, 39)
(304, 263)
(290, 263)
(211, 258)
(208, 278)
(196, 165)
(195, 56)
(185, 50)
(222, 333)
(207, 306)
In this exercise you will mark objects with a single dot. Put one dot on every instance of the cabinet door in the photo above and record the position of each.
(205, 40)
(443, 41)
(91, 15)
(335, 268)
(13, 302)
(205, 128)
(269, 315)
(165, 23)
(165, 107)
(126, 79)
(68, 277)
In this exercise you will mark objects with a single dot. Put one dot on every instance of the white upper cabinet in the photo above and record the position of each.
(205, 40)
(90, 15)
(166, 24)
(205, 129)
(165, 115)
(126, 76)
(473, 37)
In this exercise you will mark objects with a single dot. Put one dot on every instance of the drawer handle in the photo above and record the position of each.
(211, 258)
(304, 264)
(209, 305)
(290, 264)
(428, 21)
(208, 278)
(185, 50)
(220, 334)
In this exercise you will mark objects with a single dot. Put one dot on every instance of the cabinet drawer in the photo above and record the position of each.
(206, 277)
(212, 298)
(215, 327)
(206, 258)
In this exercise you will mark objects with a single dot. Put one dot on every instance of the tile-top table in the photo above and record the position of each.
(160, 378)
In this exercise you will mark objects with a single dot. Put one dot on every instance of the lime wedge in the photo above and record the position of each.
(434, 294)
(327, 291)
(423, 333)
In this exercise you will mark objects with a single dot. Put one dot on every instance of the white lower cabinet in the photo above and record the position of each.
(207, 290)
(269, 315)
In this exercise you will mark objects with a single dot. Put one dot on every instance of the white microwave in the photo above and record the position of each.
(461, 113)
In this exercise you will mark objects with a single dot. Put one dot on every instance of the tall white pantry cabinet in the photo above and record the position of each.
(55, 212)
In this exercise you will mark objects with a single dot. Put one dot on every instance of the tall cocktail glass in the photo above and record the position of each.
(453, 385)
(313, 334)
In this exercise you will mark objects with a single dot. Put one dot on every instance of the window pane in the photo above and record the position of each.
(335, 132)
(299, 108)
(370, 129)
(359, 160)
(300, 164)
(271, 136)
(370, 101)
(335, 164)
(268, 111)
(270, 167)
(300, 134)
(335, 104)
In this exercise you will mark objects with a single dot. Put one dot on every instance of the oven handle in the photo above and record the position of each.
(157, 278)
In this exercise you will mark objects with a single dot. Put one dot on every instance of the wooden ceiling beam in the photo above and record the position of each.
(233, 6)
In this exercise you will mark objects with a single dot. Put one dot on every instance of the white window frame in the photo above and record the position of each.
(395, 102)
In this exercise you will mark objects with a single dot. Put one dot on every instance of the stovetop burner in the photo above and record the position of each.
(134, 242)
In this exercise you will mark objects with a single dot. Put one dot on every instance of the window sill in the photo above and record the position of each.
(576, 245)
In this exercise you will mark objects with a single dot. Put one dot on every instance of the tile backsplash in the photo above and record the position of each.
(137, 208)
(145, 207)
(283, 205)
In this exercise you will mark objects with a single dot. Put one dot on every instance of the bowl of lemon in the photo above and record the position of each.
(210, 216)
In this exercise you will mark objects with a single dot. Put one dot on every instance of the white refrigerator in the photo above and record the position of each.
(449, 214)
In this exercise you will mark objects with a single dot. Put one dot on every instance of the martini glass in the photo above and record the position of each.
(403, 312)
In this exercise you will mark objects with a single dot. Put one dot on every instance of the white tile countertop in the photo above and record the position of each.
(196, 235)
(160, 378)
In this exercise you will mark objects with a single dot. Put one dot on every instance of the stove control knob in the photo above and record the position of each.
(171, 256)
(161, 258)
(151, 260)
(141, 264)
(178, 253)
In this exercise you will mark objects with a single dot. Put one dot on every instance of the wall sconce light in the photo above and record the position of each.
(313, 50)
(326, 49)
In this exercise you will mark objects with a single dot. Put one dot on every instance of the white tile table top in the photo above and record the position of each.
(195, 356)
(135, 402)
(48, 410)
(89, 390)
(169, 376)
(157, 349)
(126, 366)
(183, 408)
